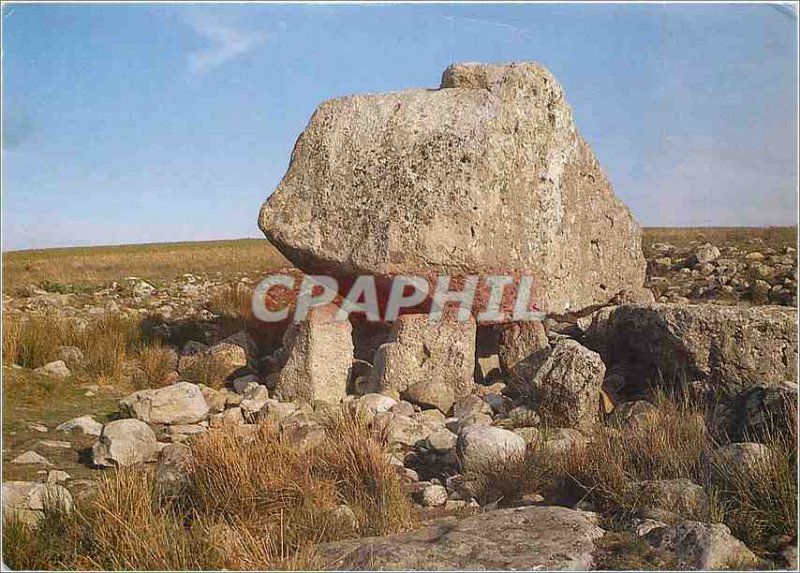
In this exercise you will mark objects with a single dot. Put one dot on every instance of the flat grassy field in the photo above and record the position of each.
(84, 267)
(94, 266)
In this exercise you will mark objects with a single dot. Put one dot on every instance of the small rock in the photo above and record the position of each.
(56, 476)
(181, 403)
(55, 444)
(125, 442)
(442, 440)
(37, 427)
(31, 457)
(174, 469)
(481, 446)
(85, 424)
(703, 546)
(433, 496)
(56, 369)
(26, 500)
(431, 393)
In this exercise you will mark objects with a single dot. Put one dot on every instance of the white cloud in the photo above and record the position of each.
(225, 42)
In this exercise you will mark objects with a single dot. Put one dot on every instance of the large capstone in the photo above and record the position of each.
(486, 175)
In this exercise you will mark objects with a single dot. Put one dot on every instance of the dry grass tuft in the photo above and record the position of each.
(206, 369)
(507, 481)
(761, 502)
(670, 443)
(35, 341)
(156, 361)
(258, 502)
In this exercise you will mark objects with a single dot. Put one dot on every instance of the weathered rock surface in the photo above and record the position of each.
(181, 403)
(566, 388)
(125, 443)
(701, 546)
(729, 347)
(26, 500)
(421, 351)
(487, 175)
(320, 355)
(527, 538)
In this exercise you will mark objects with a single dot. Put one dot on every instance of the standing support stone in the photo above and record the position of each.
(320, 354)
(423, 352)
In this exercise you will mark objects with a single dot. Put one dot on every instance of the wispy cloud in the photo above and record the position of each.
(226, 42)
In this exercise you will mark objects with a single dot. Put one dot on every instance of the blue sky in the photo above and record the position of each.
(153, 122)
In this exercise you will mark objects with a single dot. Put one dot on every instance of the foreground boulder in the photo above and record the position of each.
(125, 443)
(729, 347)
(26, 500)
(530, 538)
(486, 175)
(421, 353)
(181, 403)
(566, 388)
(320, 356)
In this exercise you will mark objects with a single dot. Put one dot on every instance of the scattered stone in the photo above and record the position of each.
(26, 500)
(561, 440)
(72, 356)
(632, 414)
(37, 427)
(433, 496)
(745, 460)
(707, 253)
(729, 347)
(399, 429)
(442, 440)
(174, 470)
(470, 405)
(181, 403)
(55, 444)
(124, 443)
(482, 446)
(243, 382)
(701, 546)
(432, 394)
(677, 495)
(523, 348)
(57, 476)
(85, 424)
(57, 369)
(30, 457)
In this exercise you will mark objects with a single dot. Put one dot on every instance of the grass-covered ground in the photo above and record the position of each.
(85, 267)
(285, 500)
